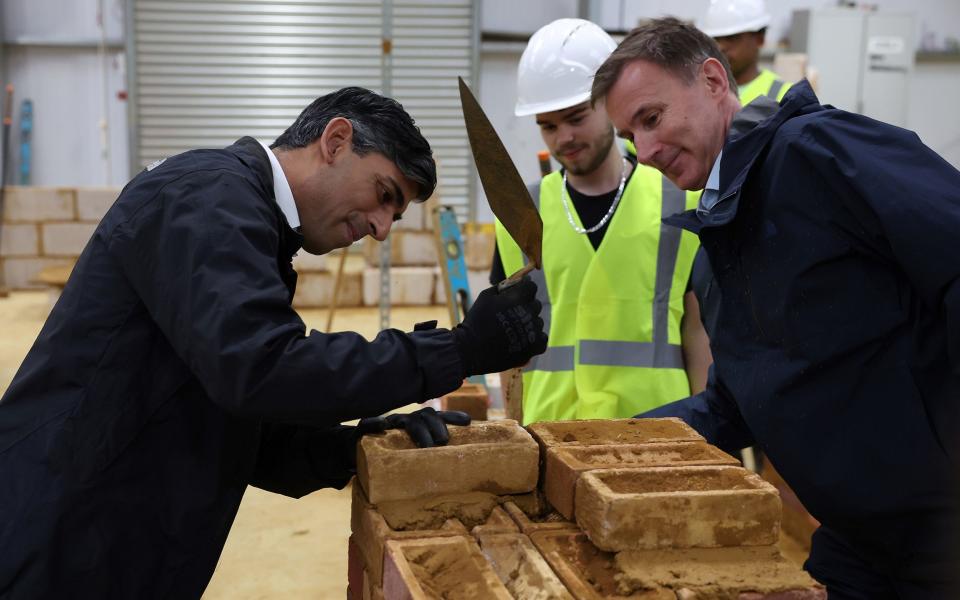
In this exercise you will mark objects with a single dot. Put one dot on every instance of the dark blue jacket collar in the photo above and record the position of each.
(749, 134)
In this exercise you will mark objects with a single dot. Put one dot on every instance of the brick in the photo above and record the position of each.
(407, 249)
(612, 431)
(21, 273)
(36, 204)
(587, 572)
(502, 459)
(93, 202)
(66, 239)
(439, 568)
(414, 218)
(431, 512)
(744, 573)
(305, 262)
(355, 569)
(520, 567)
(479, 245)
(528, 524)
(409, 286)
(471, 398)
(677, 507)
(497, 522)
(19, 240)
(314, 290)
(371, 532)
(565, 464)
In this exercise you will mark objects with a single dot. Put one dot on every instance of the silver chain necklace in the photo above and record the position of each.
(606, 217)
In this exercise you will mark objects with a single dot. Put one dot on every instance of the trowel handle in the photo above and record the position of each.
(516, 277)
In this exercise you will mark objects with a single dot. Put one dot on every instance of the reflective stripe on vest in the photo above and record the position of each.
(766, 83)
(610, 391)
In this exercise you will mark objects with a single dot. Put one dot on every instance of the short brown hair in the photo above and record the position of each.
(669, 43)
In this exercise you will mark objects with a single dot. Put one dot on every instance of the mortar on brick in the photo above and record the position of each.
(613, 431)
(588, 572)
(430, 512)
(528, 524)
(441, 569)
(521, 568)
(371, 532)
(749, 572)
(680, 507)
(565, 464)
(494, 456)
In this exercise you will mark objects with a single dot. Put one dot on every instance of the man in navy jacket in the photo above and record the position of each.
(173, 371)
(833, 240)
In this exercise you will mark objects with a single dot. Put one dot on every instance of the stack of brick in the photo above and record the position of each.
(413, 261)
(47, 227)
(628, 509)
(316, 282)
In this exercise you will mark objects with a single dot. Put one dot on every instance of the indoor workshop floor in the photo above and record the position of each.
(279, 547)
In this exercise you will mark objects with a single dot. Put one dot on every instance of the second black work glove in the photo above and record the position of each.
(427, 427)
(502, 330)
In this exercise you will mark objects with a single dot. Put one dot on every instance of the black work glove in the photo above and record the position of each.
(427, 427)
(502, 330)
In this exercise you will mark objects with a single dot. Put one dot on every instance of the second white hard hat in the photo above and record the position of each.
(730, 17)
(557, 67)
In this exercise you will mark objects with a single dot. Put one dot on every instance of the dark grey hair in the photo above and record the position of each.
(380, 124)
(673, 45)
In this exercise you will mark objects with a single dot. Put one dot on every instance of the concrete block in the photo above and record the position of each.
(565, 464)
(677, 507)
(304, 262)
(93, 202)
(371, 532)
(521, 568)
(19, 240)
(497, 522)
(414, 218)
(439, 568)
(65, 239)
(21, 273)
(314, 290)
(612, 431)
(528, 524)
(502, 459)
(37, 204)
(744, 573)
(409, 286)
(479, 244)
(407, 249)
(471, 398)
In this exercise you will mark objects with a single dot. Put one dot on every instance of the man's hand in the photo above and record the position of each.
(426, 426)
(503, 329)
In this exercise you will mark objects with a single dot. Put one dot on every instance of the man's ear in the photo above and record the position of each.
(337, 137)
(715, 77)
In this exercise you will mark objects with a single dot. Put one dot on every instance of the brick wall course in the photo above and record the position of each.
(20, 273)
(93, 202)
(304, 262)
(38, 204)
(66, 239)
(19, 239)
(503, 459)
(409, 286)
(677, 507)
(446, 567)
(407, 249)
(520, 567)
(314, 290)
(612, 431)
(564, 464)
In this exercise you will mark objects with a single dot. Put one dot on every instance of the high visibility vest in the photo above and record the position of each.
(612, 314)
(767, 83)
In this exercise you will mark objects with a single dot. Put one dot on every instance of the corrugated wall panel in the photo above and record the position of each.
(205, 73)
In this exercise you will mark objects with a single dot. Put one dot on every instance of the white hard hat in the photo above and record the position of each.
(730, 17)
(557, 67)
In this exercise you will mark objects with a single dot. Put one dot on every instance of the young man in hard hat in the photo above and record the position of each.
(614, 279)
(833, 238)
(739, 28)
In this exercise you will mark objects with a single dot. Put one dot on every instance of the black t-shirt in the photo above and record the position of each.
(591, 210)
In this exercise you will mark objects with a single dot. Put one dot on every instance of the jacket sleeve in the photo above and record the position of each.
(297, 460)
(713, 413)
(202, 255)
(905, 197)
